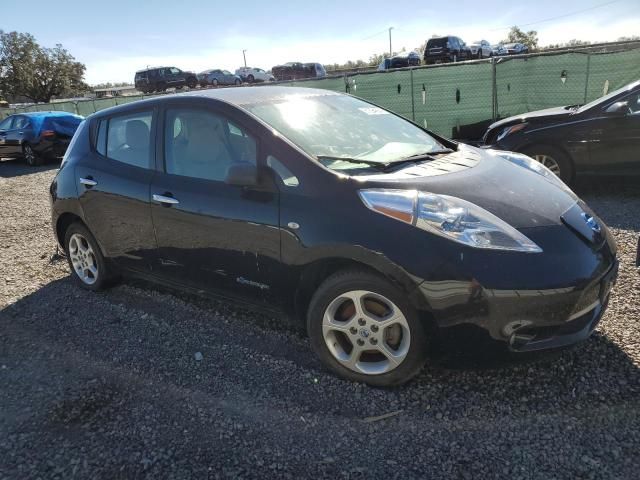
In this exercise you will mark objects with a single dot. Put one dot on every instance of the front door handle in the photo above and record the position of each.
(165, 199)
(88, 182)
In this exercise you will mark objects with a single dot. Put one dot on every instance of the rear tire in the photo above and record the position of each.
(89, 268)
(214, 82)
(250, 79)
(554, 159)
(237, 82)
(380, 342)
(30, 156)
(192, 82)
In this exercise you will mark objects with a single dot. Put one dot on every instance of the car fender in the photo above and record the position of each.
(357, 254)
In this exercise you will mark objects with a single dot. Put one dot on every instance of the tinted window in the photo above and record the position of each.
(21, 122)
(634, 103)
(437, 42)
(101, 138)
(6, 123)
(129, 138)
(202, 144)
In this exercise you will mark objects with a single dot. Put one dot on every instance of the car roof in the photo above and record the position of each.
(48, 114)
(237, 96)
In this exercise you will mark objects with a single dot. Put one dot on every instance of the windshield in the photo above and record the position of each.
(607, 97)
(335, 126)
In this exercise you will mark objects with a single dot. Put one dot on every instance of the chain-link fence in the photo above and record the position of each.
(459, 100)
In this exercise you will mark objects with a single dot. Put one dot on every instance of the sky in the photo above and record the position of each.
(117, 37)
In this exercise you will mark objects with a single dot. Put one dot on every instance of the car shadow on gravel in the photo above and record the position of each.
(17, 168)
(115, 373)
(119, 313)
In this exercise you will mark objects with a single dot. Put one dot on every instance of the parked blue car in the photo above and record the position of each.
(218, 77)
(37, 136)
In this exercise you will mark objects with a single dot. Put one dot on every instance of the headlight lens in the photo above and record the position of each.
(509, 130)
(530, 164)
(449, 217)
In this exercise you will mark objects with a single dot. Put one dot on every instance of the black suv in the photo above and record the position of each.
(297, 70)
(158, 79)
(445, 49)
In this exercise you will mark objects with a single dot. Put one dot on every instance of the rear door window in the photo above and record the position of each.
(129, 138)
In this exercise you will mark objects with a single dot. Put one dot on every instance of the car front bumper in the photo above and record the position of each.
(526, 303)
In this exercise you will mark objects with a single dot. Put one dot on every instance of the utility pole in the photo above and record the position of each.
(390, 50)
(245, 58)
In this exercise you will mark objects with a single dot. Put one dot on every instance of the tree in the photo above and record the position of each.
(111, 85)
(530, 38)
(35, 72)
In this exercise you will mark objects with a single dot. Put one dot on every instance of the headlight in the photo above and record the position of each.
(509, 130)
(448, 217)
(530, 164)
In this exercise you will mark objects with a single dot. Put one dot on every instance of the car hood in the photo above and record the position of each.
(558, 113)
(520, 197)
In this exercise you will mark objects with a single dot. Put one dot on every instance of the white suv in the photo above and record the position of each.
(251, 75)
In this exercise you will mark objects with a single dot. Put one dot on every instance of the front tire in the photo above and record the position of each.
(88, 266)
(364, 329)
(251, 79)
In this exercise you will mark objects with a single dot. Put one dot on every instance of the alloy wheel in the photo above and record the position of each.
(549, 162)
(29, 155)
(366, 332)
(83, 259)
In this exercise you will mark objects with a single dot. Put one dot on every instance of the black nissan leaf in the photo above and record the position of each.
(377, 235)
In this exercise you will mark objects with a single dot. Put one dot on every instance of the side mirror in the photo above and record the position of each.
(242, 174)
(618, 108)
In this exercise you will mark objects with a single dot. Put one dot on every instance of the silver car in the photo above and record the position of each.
(217, 77)
(481, 49)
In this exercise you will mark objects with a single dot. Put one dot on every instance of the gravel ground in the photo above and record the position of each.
(141, 383)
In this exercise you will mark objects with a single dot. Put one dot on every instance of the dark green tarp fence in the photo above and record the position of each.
(459, 100)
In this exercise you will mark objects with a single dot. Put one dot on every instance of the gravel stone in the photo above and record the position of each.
(104, 385)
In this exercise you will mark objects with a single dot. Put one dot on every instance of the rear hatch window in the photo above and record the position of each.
(437, 43)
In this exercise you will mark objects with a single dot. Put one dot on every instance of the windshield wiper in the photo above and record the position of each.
(372, 163)
(429, 154)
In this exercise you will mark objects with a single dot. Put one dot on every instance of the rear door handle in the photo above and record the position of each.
(165, 199)
(88, 182)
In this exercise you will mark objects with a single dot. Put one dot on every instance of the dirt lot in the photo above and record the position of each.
(108, 385)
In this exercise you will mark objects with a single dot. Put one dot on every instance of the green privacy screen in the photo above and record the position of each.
(459, 100)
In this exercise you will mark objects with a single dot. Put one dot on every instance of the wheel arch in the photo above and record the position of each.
(527, 147)
(315, 273)
(63, 222)
(554, 146)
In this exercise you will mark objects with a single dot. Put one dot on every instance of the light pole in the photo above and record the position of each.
(245, 58)
(390, 50)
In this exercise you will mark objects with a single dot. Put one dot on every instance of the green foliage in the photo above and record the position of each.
(530, 38)
(111, 85)
(35, 72)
